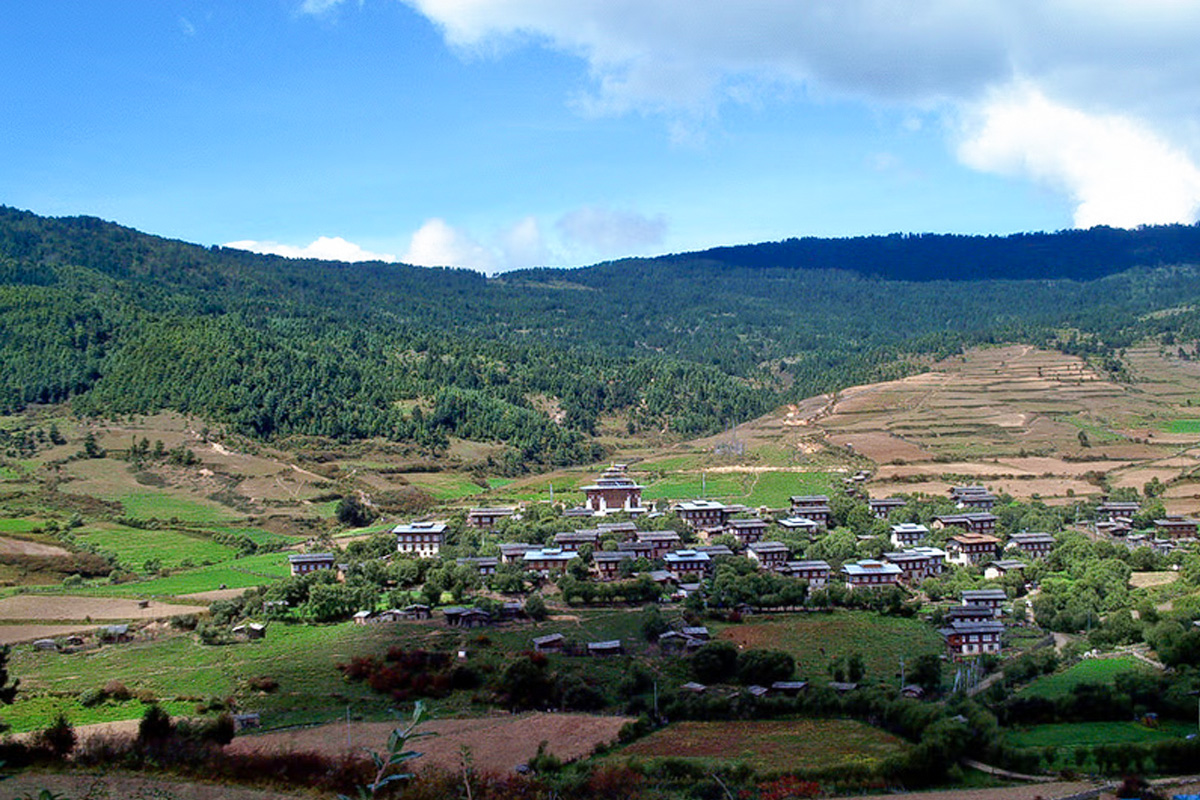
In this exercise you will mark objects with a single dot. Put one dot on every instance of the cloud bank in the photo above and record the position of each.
(1020, 80)
(325, 248)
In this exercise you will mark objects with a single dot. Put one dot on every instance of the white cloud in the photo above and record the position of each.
(524, 246)
(437, 244)
(186, 26)
(1121, 75)
(325, 248)
(609, 232)
(318, 6)
(1116, 170)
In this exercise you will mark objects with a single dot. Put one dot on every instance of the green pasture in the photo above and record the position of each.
(1093, 670)
(19, 525)
(768, 746)
(257, 535)
(445, 486)
(1183, 426)
(1081, 734)
(815, 640)
(773, 489)
(134, 546)
(38, 712)
(203, 579)
(148, 503)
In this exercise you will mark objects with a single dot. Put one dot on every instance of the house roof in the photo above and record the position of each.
(686, 557)
(551, 638)
(984, 594)
(910, 527)
(700, 505)
(870, 567)
(310, 558)
(763, 548)
(798, 522)
(807, 565)
(413, 528)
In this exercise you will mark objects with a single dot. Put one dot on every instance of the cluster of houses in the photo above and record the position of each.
(1115, 518)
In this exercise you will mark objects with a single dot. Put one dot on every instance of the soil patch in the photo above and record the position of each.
(20, 547)
(12, 634)
(497, 743)
(49, 607)
(133, 787)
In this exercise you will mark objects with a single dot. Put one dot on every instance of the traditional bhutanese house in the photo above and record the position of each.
(626, 528)
(422, 538)
(684, 564)
(964, 639)
(488, 517)
(747, 531)
(907, 534)
(607, 563)
(458, 617)
(972, 497)
(812, 506)
(870, 574)
(551, 643)
(1176, 527)
(362, 617)
(514, 552)
(703, 514)
(1034, 545)
(971, 612)
(769, 555)
(980, 522)
(580, 512)
(998, 569)
(884, 506)
(304, 563)
(992, 598)
(573, 540)
(714, 550)
(391, 615)
(611, 647)
(661, 542)
(971, 548)
(547, 560)
(614, 492)
(1119, 528)
(815, 572)
(918, 563)
(484, 565)
(1111, 511)
(636, 549)
(697, 632)
(737, 510)
(800, 525)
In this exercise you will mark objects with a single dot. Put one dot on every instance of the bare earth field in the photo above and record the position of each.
(130, 787)
(49, 607)
(20, 547)
(12, 634)
(497, 743)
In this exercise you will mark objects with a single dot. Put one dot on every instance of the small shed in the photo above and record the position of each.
(610, 647)
(551, 643)
(250, 630)
(362, 617)
(247, 720)
(45, 644)
(417, 611)
(693, 687)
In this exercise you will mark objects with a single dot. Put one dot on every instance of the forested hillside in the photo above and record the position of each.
(118, 321)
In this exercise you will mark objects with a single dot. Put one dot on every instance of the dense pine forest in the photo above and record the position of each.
(117, 321)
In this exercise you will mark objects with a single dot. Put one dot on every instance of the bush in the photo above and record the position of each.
(59, 738)
(115, 690)
(156, 726)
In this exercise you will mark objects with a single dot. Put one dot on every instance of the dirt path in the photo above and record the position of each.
(1039, 791)
(20, 547)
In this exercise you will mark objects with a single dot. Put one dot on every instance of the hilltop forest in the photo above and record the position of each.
(116, 322)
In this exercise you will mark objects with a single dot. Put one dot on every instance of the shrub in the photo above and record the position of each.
(59, 738)
(118, 691)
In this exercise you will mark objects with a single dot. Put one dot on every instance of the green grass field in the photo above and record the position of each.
(1092, 733)
(1183, 426)
(19, 525)
(203, 579)
(769, 746)
(815, 640)
(134, 546)
(1095, 670)
(145, 504)
(773, 489)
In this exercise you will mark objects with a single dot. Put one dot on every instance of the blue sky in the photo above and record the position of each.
(497, 134)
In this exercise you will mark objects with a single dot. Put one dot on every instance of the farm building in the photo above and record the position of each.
(714, 550)
(550, 643)
(304, 563)
(1034, 545)
(769, 555)
(703, 514)
(547, 560)
(815, 572)
(992, 598)
(1112, 511)
(971, 548)
(918, 563)
(998, 569)
(607, 563)
(1176, 527)
(870, 574)
(514, 552)
(747, 531)
(610, 647)
(422, 538)
(973, 497)
(573, 540)
(812, 506)
(661, 542)
(484, 565)
(972, 638)
(488, 517)
(883, 507)
(800, 525)
(978, 522)
(683, 564)
(458, 617)
(907, 534)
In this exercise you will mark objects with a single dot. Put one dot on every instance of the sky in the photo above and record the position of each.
(500, 134)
